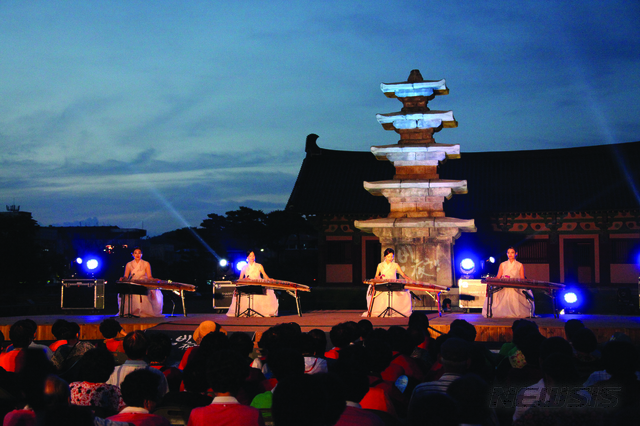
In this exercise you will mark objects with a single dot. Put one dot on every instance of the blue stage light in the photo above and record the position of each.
(241, 265)
(467, 266)
(223, 263)
(92, 264)
(570, 298)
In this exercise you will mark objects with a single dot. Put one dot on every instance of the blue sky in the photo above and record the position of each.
(155, 113)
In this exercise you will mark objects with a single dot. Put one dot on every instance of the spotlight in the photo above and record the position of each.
(92, 264)
(223, 262)
(79, 260)
(467, 266)
(491, 259)
(241, 265)
(571, 299)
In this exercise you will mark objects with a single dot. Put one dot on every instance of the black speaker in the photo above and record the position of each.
(82, 294)
(222, 294)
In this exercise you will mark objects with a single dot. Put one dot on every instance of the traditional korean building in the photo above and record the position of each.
(573, 214)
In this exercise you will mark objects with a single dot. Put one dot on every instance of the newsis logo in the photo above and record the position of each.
(555, 397)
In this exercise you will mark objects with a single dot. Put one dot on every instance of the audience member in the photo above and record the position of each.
(454, 356)
(158, 354)
(135, 346)
(66, 356)
(92, 390)
(308, 399)
(140, 393)
(202, 330)
(21, 336)
(314, 363)
(226, 371)
(113, 335)
(57, 329)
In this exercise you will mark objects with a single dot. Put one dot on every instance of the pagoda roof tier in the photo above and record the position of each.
(431, 154)
(464, 225)
(422, 120)
(422, 88)
(456, 186)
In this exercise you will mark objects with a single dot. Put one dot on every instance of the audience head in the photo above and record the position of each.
(320, 341)
(340, 336)
(555, 344)
(70, 331)
(32, 369)
(205, 328)
(310, 400)
(21, 334)
(109, 328)
(400, 340)
(96, 365)
(463, 329)
(420, 320)
(571, 327)
(56, 392)
(58, 327)
(286, 362)
(227, 371)
(364, 328)
(141, 388)
(241, 343)
(135, 345)
(213, 342)
(455, 354)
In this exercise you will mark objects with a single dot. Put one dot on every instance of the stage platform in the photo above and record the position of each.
(493, 330)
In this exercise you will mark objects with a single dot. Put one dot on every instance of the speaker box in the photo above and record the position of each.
(222, 294)
(82, 294)
(472, 293)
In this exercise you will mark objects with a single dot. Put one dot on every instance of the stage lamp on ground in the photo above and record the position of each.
(570, 300)
(467, 267)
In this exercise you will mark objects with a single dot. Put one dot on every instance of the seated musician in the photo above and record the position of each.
(400, 300)
(140, 305)
(265, 304)
(510, 302)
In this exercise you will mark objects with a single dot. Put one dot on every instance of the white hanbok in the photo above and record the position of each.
(264, 304)
(143, 306)
(399, 300)
(510, 302)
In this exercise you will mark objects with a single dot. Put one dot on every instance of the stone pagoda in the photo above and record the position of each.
(417, 227)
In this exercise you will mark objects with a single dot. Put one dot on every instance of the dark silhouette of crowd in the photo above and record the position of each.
(409, 375)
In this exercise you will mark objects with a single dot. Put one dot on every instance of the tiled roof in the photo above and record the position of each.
(603, 177)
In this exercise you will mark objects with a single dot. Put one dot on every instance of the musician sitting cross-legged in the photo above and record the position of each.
(400, 300)
(264, 304)
(510, 302)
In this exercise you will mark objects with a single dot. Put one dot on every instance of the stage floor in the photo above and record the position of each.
(488, 329)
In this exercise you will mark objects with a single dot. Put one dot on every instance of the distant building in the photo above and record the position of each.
(573, 214)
